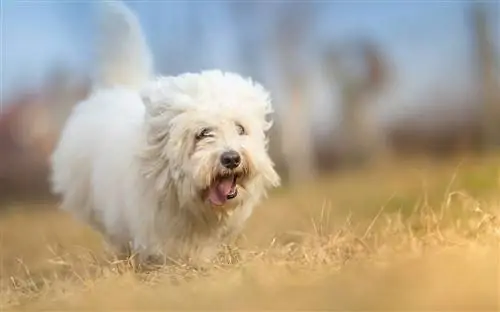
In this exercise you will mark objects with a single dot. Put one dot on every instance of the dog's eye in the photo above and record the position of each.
(240, 129)
(205, 133)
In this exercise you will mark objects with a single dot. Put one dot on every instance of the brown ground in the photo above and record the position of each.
(414, 236)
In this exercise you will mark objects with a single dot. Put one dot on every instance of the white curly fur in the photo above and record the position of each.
(129, 162)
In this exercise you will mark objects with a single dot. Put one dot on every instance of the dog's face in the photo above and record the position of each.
(220, 161)
(209, 131)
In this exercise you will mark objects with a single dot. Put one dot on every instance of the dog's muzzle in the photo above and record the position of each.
(224, 187)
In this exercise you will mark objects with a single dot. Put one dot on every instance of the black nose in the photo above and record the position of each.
(230, 159)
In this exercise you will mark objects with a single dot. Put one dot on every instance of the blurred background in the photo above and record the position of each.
(360, 88)
(354, 83)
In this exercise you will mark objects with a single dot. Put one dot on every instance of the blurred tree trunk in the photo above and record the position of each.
(297, 144)
(296, 129)
(360, 138)
(485, 65)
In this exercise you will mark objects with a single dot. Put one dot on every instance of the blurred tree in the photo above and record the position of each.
(360, 73)
(486, 69)
(292, 33)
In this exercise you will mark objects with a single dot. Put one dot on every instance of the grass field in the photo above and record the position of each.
(407, 236)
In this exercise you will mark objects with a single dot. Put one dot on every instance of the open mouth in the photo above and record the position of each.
(222, 189)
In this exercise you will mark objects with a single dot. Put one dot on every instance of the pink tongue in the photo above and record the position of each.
(219, 190)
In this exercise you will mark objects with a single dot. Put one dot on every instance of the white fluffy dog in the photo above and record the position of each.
(169, 166)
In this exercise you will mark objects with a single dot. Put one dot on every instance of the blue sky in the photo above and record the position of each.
(427, 41)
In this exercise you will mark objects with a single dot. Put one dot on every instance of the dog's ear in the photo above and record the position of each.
(269, 174)
(272, 178)
(162, 98)
(264, 106)
(256, 100)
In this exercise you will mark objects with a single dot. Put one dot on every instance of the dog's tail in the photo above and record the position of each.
(123, 54)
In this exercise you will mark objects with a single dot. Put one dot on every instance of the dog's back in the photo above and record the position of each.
(99, 141)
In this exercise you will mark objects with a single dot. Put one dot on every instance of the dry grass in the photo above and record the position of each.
(411, 236)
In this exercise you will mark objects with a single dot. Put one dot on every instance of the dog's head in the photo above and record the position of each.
(207, 135)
